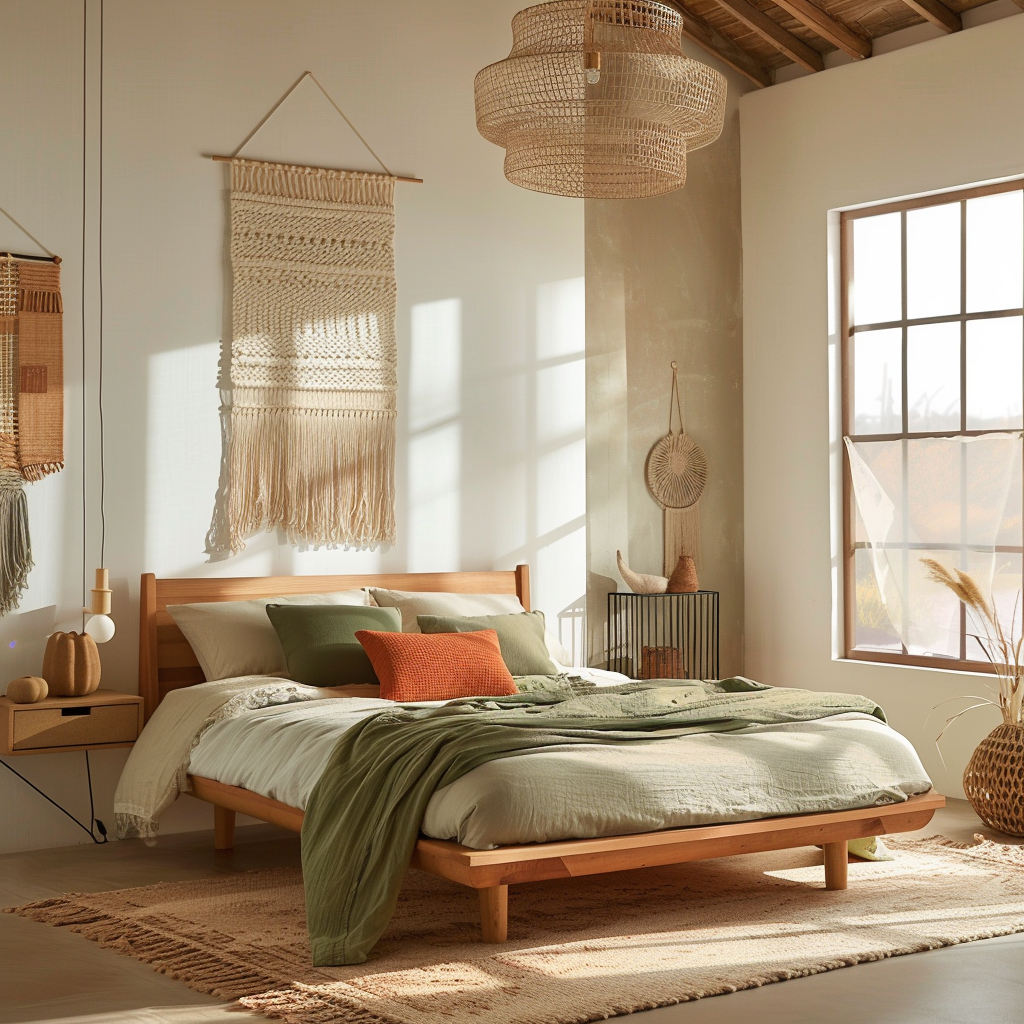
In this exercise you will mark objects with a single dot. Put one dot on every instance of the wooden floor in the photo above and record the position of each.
(48, 974)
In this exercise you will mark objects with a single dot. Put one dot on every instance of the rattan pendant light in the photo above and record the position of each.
(598, 100)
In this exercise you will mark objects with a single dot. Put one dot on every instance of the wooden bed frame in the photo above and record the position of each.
(167, 662)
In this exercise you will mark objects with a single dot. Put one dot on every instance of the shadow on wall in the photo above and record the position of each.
(448, 423)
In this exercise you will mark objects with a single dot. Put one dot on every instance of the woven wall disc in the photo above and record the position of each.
(677, 470)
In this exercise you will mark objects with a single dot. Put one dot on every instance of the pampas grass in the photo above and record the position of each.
(1002, 650)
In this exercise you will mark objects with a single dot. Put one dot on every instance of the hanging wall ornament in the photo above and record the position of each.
(676, 472)
(314, 361)
(31, 403)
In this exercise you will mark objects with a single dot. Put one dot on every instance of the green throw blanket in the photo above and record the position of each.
(363, 816)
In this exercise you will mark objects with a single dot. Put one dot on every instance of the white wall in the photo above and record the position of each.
(490, 315)
(934, 116)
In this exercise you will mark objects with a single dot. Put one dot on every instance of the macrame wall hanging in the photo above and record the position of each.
(31, 401)
(313, 367)
(676, 473)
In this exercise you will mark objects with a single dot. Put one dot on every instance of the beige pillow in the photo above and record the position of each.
(236, 638)
(411, 603)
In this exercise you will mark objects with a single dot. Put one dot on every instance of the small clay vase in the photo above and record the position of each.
(684, 577)
(26, 690)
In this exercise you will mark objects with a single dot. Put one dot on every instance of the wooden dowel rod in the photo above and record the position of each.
(25, 256)
(397, 177)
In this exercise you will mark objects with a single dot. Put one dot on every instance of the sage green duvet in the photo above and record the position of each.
(363, 816)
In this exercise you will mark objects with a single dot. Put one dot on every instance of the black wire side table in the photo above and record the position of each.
(664, 636)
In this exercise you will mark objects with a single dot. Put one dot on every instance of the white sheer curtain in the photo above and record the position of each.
(954, 499)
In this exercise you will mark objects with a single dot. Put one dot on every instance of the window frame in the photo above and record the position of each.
(847, 332)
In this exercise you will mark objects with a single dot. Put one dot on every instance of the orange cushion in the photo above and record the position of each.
(437, 666)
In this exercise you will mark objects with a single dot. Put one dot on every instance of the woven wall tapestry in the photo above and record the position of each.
(31, 406)
(313, 355)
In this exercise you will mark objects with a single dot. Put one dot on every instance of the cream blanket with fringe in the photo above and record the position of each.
(313, 355)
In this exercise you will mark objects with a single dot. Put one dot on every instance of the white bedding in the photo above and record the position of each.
(274, 737)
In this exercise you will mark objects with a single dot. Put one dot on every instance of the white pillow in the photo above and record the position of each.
(413, 603)
(236, 638)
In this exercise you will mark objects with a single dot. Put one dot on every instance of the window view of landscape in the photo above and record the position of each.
(934, 357)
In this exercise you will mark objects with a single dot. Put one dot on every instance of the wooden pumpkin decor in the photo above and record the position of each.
(71, 665)
(26, 690)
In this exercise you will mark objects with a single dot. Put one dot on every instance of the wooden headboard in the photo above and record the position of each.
(167, 661)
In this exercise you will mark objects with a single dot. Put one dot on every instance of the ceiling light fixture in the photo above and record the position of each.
(598, 100)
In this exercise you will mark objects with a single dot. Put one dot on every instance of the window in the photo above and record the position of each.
(933, 403)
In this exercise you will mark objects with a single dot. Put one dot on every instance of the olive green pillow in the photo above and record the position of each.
(520, 636)
(320, 644)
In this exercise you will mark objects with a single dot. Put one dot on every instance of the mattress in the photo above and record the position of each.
(583, 791)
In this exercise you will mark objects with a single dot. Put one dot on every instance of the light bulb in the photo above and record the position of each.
(100, 628)
(593, 76)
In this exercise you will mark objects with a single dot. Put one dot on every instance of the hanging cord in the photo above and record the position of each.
(99, 385)
(85, 124)
(674, 405)
(95, 825)
(330, 99)
(28, 234)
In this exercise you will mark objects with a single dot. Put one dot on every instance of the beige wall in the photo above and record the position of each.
(490, 314)
(934, 116)
(664, 283)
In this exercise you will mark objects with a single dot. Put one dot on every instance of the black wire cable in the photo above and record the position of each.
(97, 825)
(85, 197)
(99, 387)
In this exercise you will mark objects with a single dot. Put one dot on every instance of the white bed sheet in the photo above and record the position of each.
(838, 763)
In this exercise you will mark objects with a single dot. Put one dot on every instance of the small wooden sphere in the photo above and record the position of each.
(27, 690)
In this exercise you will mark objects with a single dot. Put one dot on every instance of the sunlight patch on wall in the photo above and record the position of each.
(182, 461)
(434, 453)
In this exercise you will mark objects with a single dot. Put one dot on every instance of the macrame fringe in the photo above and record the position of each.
(682, 536)
(326, 476)
(40, 470)
(15, 543)
(317, 183)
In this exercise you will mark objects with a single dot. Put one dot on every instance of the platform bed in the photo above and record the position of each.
(167, 662)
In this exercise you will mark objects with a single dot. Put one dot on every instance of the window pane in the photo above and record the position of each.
(1004, 587)
(933, 261)
(934, 493)
(878, 382)
(995, 252)
(877, 274)
(933, 377)
(934, 612)
(873, 628)
(995, 371)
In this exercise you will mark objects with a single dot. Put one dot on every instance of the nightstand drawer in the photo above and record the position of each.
(85, 725)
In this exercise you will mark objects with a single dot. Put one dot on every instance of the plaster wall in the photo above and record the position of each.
(942, 114)
(490, 282)
(664, 283)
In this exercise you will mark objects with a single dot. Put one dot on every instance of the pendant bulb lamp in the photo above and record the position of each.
(598, 100)
(100, 625)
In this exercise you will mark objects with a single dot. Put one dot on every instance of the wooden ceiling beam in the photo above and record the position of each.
(937, 13)
(824, 25)
(785, 42)
(700, 32)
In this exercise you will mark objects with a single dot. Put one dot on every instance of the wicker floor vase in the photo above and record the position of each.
(994, 779)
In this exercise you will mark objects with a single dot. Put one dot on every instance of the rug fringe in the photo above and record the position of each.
(313, 1006)
(177, 958)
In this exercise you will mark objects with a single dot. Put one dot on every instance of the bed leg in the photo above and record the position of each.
(836, 860)
(223, 828)
(494, 913)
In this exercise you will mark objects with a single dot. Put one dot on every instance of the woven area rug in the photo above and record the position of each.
(581, 950)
